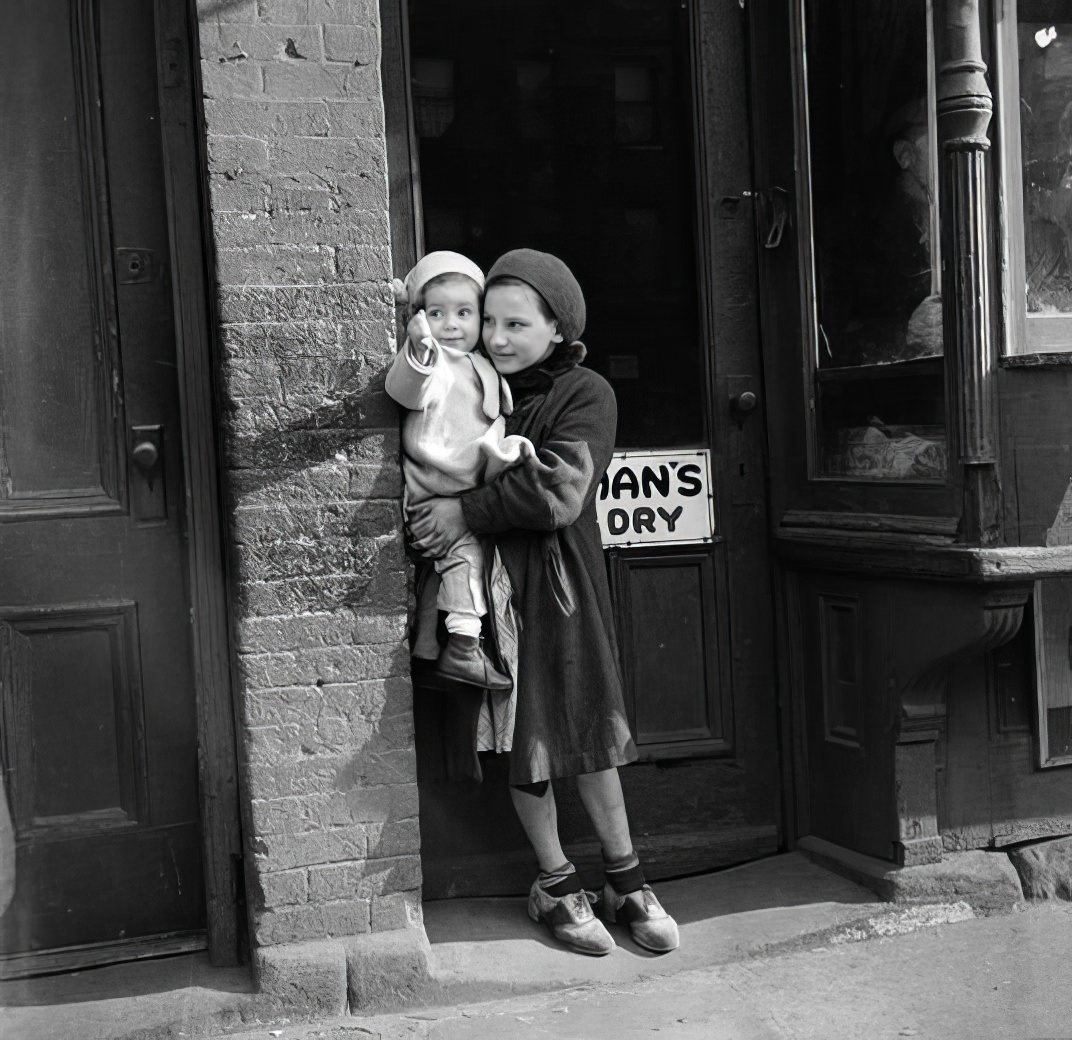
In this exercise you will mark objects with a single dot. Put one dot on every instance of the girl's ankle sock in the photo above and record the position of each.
(625, 875)
(562, 881)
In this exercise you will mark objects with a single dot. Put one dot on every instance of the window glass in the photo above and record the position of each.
(539, 125)
(1044, 37)
(874, 292)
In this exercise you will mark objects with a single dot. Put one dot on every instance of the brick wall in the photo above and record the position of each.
(297, 168)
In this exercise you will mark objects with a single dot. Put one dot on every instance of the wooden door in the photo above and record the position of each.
(614, 133)
(98, 719)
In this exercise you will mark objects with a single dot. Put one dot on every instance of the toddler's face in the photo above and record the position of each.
(453, 311)
(516, 333)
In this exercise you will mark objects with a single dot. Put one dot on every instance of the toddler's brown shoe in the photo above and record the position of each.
(464, 660)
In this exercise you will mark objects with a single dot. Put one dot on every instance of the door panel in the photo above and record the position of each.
(67, 777)
(846, 663)
(59, 434)
(667, 610)
(99, 737)
(615, 134)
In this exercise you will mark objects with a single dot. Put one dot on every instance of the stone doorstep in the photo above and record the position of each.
(985, 881)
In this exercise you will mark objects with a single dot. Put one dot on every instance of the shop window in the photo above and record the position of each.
(1053, 649)
(868, 214)
(1035, 101)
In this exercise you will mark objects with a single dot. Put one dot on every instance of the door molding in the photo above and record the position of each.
(178, 79)
(403, 162)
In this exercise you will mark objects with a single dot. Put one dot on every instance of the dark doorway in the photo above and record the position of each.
(602, 131)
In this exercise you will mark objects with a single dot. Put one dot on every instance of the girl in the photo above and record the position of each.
(570, 712)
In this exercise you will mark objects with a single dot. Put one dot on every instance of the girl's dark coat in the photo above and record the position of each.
(570, 708)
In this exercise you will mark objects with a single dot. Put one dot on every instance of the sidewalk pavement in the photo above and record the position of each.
(770, 949)
(998, 978)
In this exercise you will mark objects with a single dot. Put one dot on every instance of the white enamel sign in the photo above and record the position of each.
(656, 498)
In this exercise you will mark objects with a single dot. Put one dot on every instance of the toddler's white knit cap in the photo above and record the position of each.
(443, 261)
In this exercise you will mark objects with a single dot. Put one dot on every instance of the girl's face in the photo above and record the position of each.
(516, 333)
(453, 311)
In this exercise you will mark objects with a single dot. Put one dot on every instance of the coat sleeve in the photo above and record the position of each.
(407, 379)
(571, 460)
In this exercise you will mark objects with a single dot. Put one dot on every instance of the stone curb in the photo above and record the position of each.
(902, 920)
(985, 881)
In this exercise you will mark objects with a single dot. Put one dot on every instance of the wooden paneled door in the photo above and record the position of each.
(97, 704)
(615, 134)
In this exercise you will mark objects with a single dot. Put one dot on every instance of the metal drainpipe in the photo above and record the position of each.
(965, 107)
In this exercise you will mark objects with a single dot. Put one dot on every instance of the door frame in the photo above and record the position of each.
(727, 250)
(403, 161)
(184, 163)
(731, 208)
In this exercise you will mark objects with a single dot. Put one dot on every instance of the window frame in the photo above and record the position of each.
(1022, 333)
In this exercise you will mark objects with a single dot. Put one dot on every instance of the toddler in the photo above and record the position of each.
(452, 437)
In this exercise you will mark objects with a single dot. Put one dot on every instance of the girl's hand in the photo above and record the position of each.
(436, 525)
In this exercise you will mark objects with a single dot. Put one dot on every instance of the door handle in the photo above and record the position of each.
(776, 208)
(743, 403)
(148, 491)
(145, 456)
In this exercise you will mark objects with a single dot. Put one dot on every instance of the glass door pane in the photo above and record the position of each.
(567, 126)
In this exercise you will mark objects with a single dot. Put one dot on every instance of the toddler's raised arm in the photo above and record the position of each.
(413, 364)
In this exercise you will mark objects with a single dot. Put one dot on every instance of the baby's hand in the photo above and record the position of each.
(418, 329)
(420, 338)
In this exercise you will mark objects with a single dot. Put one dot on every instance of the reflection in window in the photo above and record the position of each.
(876, 312)
(872, 185)
(1045, 51)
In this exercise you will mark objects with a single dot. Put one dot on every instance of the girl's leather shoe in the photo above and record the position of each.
(571, 921)
(649, 924)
